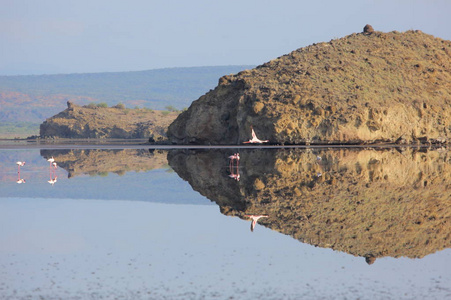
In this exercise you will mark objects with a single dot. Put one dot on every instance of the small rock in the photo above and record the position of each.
(368, 29)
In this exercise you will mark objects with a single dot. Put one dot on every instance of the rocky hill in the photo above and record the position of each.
(107, 122)
(366, 87)
(370, 203)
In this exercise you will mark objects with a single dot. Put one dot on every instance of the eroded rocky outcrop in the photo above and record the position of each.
(107, 122)
(370, 203)
(367, 87)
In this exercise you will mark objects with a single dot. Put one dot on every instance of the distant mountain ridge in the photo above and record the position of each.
(151, 87)
(33, 98)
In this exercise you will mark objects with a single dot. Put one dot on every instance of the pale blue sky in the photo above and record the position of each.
(54, 36)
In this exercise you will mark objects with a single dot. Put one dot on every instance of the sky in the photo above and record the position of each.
(90, 36)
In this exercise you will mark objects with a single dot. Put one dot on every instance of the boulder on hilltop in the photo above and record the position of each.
(364, 88)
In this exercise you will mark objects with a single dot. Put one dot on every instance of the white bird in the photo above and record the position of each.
(255, 219)
(51, 160)
(55, 165)
(20, 163)
(255, 139)
(20, 180)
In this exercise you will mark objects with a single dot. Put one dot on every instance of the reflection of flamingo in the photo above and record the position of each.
(235, 156)
(52, 181)
(52, 167)
(255, 139)
(19, 164)
(255, 218)
(234, 175)
(234, 168)
(318, 161)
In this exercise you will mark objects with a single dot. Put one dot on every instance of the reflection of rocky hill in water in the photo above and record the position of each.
(99, 161)
(370, 203)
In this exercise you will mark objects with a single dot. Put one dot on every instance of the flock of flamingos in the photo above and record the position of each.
(233, 167)
(52, 174)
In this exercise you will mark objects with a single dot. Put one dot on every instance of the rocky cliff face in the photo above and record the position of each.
(98, 122)
(364, 88)
(369, 203)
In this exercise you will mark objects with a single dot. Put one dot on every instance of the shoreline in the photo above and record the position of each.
(143, 144)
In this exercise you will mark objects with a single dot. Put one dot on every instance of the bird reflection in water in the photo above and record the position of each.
(19, 164)
(52, 171)
(234, 163)
(318, 161)
(255, 219)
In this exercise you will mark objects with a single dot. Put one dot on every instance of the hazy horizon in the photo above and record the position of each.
(70, 37)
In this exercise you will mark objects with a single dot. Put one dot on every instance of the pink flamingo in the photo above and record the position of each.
(255, 219)
(255, 139)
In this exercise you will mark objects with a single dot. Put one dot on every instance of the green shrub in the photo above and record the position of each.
(102, 104)
(171, 108)
(120, 105)
(91, 105)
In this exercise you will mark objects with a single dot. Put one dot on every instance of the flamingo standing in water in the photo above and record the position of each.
(255, 219)
(255, 139)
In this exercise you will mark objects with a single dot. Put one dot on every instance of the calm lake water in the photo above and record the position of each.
(174, 224)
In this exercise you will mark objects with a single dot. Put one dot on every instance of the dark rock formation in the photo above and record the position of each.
(369, 203)
(99, 122)
(368, 29)
(362, 88)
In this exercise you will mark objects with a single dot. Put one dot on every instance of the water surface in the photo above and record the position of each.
(153, 224)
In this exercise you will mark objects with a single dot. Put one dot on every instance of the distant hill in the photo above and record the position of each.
(29, 100)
